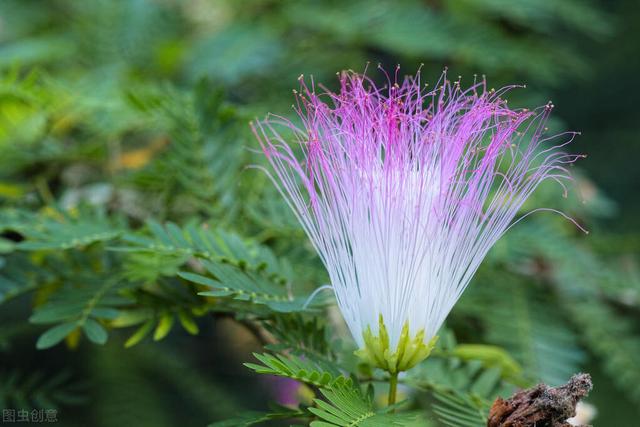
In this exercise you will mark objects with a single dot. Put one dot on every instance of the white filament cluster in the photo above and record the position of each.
(403, 195)
(392, 261)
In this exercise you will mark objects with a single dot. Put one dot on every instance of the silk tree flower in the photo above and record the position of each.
(402, 191)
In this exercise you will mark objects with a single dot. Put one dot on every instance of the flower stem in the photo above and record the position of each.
(393, 386)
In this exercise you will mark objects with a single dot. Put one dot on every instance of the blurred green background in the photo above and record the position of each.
(95, 94)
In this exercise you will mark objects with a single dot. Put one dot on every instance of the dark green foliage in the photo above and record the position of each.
(199, 167)
(250, 418)
(79, 307)
(300, 335)
(524, 321)
(15, 277)
(37, 390)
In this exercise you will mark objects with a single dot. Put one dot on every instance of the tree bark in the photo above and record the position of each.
(540, 406)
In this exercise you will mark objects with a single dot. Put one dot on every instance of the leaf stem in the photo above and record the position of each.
(393, 386)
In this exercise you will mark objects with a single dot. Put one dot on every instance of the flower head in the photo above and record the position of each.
(402, 192)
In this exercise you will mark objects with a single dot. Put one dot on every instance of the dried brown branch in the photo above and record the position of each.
(540, 406)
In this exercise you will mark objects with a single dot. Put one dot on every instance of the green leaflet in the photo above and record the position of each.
(347, 406)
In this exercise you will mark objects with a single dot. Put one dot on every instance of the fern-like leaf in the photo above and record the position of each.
(250, 418)
(245, 285)
(455, 409)
(58, 229)
(310, 371)
(203, 243)
(80, 307)
(347, 406)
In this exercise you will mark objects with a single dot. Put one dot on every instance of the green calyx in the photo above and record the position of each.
(408, 353)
